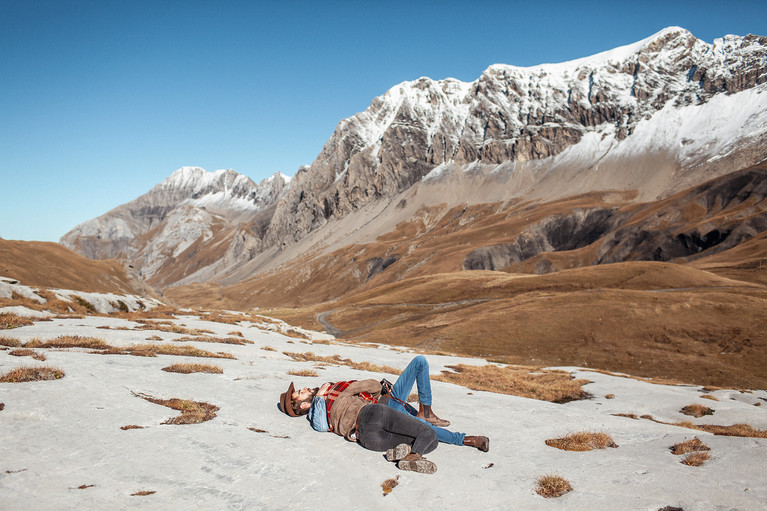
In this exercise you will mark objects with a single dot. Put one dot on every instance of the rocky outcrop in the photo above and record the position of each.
(729, 211)
(553, 234)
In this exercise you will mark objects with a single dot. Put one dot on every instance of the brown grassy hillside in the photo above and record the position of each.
(44, 264)
(647, 319)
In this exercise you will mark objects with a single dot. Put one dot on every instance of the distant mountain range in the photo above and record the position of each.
(639, 124)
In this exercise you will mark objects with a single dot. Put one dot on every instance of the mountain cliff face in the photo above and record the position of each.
(657, 117)
(513, 114)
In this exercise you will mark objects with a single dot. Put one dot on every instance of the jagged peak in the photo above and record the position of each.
(615, 55)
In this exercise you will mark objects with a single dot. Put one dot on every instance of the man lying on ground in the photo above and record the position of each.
(359, 411)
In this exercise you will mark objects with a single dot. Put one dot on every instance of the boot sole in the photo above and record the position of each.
(421, 466)
(398, 452)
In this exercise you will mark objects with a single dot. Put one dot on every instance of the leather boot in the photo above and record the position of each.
(424, 412)
(480, 442)
(416, 463)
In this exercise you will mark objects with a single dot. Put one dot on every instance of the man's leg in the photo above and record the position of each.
(381, 428)
(417, 371)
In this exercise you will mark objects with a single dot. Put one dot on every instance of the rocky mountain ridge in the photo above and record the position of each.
(191, 206)
(657, 116)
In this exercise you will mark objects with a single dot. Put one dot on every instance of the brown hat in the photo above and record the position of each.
(286, 401)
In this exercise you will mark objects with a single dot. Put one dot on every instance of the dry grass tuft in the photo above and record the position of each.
(709, 396)
(552, 486)
(143, 493)
(236, 332)
(193, 368)
(268, 348)
(152, 350)
(154, 338)
(583, 441)
(692, 445)
(697, 410)
(131, 426)
(337, 360)
(24, 352)
(535, 383)
(69, 341)
(192, 412)
(629, 415)
(610, 396)
(208, 338)
(741, 430)
(9, 320)
(304, 372)
(225, 317)
(388, 485)
(696, 459)
(259, 430)
(166, 326)
(24, 374)
(12, 343)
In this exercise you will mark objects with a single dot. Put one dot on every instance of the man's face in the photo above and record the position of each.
(304, 397)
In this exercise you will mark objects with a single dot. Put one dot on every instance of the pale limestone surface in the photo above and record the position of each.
(58, 435)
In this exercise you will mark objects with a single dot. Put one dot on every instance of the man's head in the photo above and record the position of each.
(297, 402)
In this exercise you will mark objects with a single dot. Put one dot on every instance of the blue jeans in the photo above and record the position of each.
(417, 371)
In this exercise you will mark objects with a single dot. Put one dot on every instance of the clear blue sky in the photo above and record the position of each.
(101, 100)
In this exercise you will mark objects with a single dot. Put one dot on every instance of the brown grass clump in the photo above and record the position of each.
(609, 396)
(154, 338)
(692, 445)
(152, 350)
(192, 412)
(709, 396)
(535, 383)
(143, 493)
(131, 426)
(207, 338)
(169, 327)
(583, 441)
(741, 430)
(225, 317)
(337, 360)
(552, 486)
(236, 332)
(696, 459)
(268, 348)
(304, 372)
(9, 320)
(388, 485)
(193, 368)
(697, 410)
(69, 341)
(12, 343)
(24, 352)
(24, 374)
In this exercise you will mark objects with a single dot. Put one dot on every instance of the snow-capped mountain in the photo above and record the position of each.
(611, 102)
(190, 207)
(654, 117)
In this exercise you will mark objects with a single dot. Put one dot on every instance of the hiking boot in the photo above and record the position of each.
(416, 463)
(480, 442)
(398, 452)
(425, 413)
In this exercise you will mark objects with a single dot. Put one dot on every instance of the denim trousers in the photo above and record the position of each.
(417, 371)
(380, 427)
